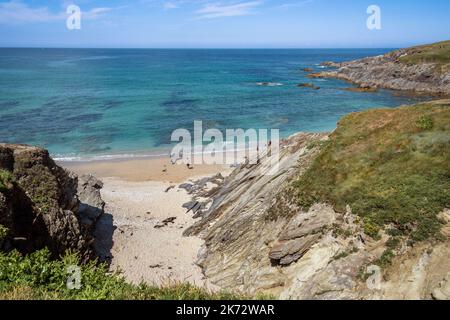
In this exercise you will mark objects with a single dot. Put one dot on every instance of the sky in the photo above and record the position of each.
(223, 23)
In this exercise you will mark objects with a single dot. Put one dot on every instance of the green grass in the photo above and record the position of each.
(438, 53)
(392, 166)
(37, 277)
(6, 180)
(3, 234)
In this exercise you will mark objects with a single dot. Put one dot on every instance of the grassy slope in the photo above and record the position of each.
(438, 53)
(392, 166)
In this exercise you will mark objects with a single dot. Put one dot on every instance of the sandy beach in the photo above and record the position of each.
(142, 170)
(141, 230)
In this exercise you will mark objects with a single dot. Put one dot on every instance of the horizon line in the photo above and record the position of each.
(200, 48)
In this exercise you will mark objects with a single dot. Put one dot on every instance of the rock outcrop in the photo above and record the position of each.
(41, 208)
(91, 205)
(394, 71)
(258, 240)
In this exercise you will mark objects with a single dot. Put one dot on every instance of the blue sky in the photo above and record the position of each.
(223, 23)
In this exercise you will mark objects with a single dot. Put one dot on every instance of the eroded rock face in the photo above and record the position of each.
(41, 209)
(258, 240)
(388, 72)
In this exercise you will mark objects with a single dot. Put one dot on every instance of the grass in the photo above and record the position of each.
(3, 234)
(392, 166)
(6, 180)
(37, 277)
(438, 53)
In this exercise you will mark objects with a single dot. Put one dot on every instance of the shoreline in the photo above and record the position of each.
(142, 169)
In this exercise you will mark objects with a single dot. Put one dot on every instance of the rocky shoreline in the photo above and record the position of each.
(389, 71)
(257, 239)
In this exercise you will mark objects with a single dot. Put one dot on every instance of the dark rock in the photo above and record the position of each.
(186, 186)
(308, 85)
(169, 188)
(189, 205)
(165, 222)
(170, 220)
(91, 203)
(42, 206)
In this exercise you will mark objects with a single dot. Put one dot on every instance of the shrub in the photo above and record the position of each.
(383, 168)
(3, 232)
(386, 258)
(6, 180)
(371, 229)
(36, 276)
(425, 123)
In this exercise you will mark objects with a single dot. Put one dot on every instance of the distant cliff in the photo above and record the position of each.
(423, 69)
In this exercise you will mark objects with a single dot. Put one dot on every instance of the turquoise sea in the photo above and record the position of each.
(112, 102)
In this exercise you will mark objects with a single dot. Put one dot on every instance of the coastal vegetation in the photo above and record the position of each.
(37, 276)
(6, 180)
(438, 53)
(392, 166)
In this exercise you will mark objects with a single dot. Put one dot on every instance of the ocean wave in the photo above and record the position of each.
(106, 157)
(225, 146)
(269, 84)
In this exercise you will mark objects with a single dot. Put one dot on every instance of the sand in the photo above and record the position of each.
(148, 169)
(136, 202)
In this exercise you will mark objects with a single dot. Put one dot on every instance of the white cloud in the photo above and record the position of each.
(170, 5)
(95, 13)
(211, 11)
(17, 12)
(296, 4)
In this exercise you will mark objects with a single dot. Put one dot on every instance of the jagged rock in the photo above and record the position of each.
(91, 203)
(313, 221)
(288, 252)
(331, 64)
(186, 186)
(257, 238)
(238, 228)
(42, 206)
(189, 205)
(387, 71)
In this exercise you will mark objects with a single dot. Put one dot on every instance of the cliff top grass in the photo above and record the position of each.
(438, 53)
(392, 166)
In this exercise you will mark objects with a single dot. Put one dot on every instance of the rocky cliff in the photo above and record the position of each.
(261, 237)
(40, 206)
(424, 69)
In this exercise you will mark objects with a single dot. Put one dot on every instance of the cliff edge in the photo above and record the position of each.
(361, 213)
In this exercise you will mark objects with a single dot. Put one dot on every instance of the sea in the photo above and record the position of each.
(87, 104)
